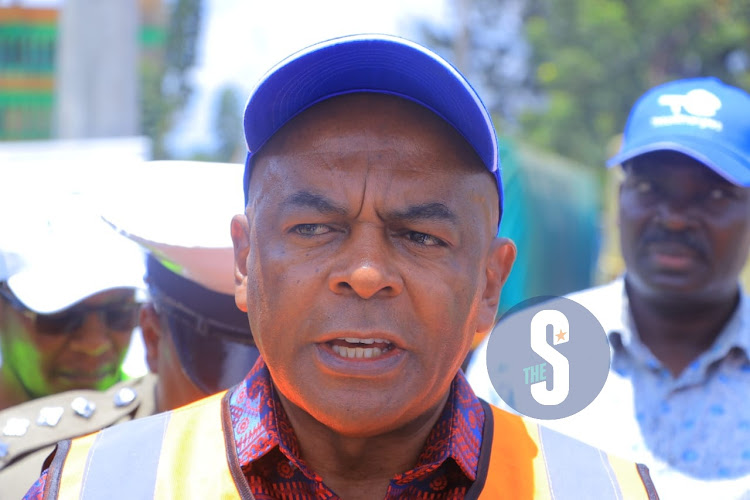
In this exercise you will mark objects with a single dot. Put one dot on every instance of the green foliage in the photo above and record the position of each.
(593, 58)
(227, 126)
(165, 86)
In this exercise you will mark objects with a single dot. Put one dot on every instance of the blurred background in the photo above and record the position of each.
(160, 79)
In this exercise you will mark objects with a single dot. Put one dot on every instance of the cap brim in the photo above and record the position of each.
(184, 215)
(48, 289)
(210, 267)
(725, 163)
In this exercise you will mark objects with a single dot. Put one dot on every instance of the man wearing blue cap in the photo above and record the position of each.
(677, 321)
(366, 260)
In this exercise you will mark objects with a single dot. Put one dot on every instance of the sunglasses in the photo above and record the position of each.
(115, 316)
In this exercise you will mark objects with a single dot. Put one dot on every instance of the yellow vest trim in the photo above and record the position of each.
(525, 462)
(193, 440)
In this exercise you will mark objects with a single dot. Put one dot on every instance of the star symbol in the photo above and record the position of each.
(561, 336)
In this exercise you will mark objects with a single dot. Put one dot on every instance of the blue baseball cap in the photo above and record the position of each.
(369, 63)
(703, 118)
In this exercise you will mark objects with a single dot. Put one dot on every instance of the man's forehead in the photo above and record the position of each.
(394, 133)
(663, 163)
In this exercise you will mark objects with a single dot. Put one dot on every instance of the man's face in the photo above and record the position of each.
(368, 260)
(174, 387)
(47, 361)
(685, 230)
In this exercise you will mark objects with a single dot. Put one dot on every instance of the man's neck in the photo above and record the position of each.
(359, 468)
(678, 332)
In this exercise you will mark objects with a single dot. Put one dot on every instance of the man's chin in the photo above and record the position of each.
(668, 286)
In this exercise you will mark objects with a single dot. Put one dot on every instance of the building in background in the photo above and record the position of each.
(27, 72)
(72, 71)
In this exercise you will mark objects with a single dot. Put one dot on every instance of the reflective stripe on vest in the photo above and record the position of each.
(528, 461)
(179, 454)
(183, 455)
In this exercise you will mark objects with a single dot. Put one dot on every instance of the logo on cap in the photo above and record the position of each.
(696, 108)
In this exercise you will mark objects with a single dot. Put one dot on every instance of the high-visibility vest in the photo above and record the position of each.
(190, 453)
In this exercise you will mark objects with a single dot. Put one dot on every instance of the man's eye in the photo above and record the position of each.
(718, 194)
(644, 187)
(425, 239)
(311, 229)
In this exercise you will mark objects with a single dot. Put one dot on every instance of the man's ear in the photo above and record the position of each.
(499, 263)
(241, 240)
(150, 324)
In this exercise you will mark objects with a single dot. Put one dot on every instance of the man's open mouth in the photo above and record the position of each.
(352, 348)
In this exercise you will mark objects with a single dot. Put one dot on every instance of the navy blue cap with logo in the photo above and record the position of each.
(368, 63)
(703, 118)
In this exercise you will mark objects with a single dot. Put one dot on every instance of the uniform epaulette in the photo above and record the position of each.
(44, 421)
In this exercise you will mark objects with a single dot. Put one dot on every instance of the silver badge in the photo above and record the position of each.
(124, 396)
(83, 407)
(16, 427)
(50, 415)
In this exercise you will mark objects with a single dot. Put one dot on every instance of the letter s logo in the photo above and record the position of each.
(561, 368)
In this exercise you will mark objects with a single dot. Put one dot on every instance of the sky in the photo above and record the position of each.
(241, 39)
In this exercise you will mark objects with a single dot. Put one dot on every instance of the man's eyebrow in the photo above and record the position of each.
(306, 199)
(426, 211)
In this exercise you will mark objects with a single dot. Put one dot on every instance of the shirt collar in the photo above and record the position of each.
(610, 304)
(260, 425)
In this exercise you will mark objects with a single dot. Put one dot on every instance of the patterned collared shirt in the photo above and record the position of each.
(269, 453)
(692, 431)
(269, 456)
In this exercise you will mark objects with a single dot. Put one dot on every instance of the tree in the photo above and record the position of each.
(227, 122)
(165, 86)
(563, 74)
(594, 58)
(486, 42)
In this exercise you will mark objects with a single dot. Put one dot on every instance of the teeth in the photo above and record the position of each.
(353, 340)
(357, 352)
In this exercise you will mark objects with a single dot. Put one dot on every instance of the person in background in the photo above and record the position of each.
(366, 260)
(66, 313)
(678, 320)
(196, 340)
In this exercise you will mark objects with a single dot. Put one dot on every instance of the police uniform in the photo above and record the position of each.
(29, 431)
(189, 274)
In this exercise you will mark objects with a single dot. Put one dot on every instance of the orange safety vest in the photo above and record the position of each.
(189, 453)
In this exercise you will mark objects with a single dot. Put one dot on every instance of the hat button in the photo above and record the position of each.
(83, 407)
(16, 427)
(124, 397)
(49, 416)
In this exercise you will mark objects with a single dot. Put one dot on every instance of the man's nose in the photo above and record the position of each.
(92, 337)
(675, 216)
(366, 266)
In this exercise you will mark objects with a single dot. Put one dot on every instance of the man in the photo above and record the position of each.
(366, 260)
(677, 320)
(66, 314)
(197, 341)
